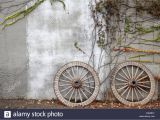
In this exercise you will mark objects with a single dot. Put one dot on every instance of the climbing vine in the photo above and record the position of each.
(126, 24)
(126, 30)
(22, 10)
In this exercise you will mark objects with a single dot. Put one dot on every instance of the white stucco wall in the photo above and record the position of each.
(51, 34)
(35, 48)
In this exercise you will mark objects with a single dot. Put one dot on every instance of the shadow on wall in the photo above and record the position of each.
(13, 61)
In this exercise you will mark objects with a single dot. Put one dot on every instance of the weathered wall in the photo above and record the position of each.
(32, 50)
(51, 35)
(13, 61)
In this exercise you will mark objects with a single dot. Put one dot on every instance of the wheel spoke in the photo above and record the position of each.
(65, 81)
(84, 93)
(88, 86)
(73, 72)
(75, 95)
(89, 82)
(119, 84)
(139, 92)
(87, 90)
(87, 78)
(132, 94)
(121, 80)
(142, 89)
(139, 75)
(123, 77)
(64, 85)
(66, 77)
(128, 93)
(77, 71)
(125, 74)
(122, 88)
(143, 86)
(144, 82)
(80, 95)
(136, 93)
(68, 92)
(129, 75)
(84, 75)
(124, 91)
(69, 74)
(142, 78)
(136, 73)
(132, 72)
(71, 95)
(82, 72)
(66, 88)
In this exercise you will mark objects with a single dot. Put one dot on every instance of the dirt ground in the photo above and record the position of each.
(50, 104)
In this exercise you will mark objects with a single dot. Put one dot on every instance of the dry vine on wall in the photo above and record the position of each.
(123, 27)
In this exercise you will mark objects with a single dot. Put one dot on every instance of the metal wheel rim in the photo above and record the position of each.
(75, 85)
(133, 101)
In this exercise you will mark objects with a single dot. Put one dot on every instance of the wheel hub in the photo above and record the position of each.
(133, 83)
(77, 84)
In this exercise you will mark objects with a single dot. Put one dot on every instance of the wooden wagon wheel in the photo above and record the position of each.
(76, 84)
(133, 84)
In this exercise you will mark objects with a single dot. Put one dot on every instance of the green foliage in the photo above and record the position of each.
(134, 28)
(101, 40)
(61, 1)
(20, 14)
(153, 40)
(127, 25)
(78, 48)
(142, 30)
(119, 40)
(137, 56)
(145, 61)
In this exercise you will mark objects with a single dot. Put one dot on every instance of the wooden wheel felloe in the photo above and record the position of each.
(133, 84)
(76, 84)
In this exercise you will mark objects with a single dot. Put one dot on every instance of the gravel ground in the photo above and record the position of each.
(49, 104)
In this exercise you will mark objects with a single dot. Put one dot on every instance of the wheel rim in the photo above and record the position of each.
(76, 83)
(133, 84)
